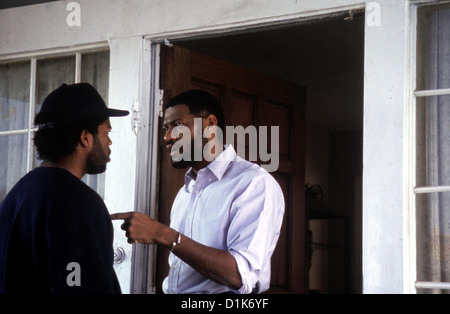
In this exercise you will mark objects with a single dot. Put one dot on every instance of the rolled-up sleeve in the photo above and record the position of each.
(256, 218)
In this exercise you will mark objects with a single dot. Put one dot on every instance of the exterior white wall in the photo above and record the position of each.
(384, 102)
(44, 25)
(123, 22)
(120, 182)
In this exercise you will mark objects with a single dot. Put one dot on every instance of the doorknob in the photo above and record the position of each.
(119, 255)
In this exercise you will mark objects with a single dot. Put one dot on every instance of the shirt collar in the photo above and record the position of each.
(220, 164)
(217, 167)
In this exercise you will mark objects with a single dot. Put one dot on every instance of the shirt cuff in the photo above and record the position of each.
(247, 276)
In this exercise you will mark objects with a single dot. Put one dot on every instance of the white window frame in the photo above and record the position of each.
(411, 189)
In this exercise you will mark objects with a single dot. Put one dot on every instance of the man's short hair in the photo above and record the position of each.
(200, 103)
(56, 142)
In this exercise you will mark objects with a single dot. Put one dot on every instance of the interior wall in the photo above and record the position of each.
(334, 162)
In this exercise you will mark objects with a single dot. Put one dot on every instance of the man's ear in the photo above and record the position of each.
(86, 138)
(210, 120)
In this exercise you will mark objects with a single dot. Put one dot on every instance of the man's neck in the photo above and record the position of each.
(68, 164)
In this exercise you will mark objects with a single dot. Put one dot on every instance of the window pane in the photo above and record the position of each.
(13, 157)
(433, 238)
(36, 162)
(96, 182)
(433, 47)
(433, 141)
(14, 96)
(51, 73)
(95, 70)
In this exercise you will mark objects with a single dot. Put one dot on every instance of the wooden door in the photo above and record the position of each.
(248, 98)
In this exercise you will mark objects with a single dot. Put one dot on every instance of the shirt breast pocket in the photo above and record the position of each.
(212, 221)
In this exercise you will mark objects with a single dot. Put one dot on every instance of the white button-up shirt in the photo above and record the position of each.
(232, 205)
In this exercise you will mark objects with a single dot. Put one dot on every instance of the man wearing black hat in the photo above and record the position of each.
(55, 232)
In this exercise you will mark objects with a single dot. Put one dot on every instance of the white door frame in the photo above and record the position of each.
(146, 124)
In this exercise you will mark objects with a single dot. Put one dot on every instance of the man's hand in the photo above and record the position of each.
(139, 228)
(218, 265)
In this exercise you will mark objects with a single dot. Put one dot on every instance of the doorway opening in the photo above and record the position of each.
(327, 58)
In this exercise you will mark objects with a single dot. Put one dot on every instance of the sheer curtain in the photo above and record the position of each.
(434, 208)
(14, 115)
(95, 70)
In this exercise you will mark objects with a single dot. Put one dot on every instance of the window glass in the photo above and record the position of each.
(433, 240)
(95, 70)
(433, 47)
(433, 146)
(14, 96)
(52, 73)
(433, 141)
(13, 153)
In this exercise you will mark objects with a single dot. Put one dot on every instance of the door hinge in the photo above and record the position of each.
(136, 117)
(160, 103)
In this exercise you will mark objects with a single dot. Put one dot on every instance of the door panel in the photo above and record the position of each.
(248, 98)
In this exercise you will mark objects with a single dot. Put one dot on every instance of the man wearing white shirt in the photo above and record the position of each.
(225, 220)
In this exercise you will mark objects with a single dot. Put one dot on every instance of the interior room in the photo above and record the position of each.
(326, 57)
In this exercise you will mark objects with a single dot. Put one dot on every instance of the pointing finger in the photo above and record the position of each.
(121, 215)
